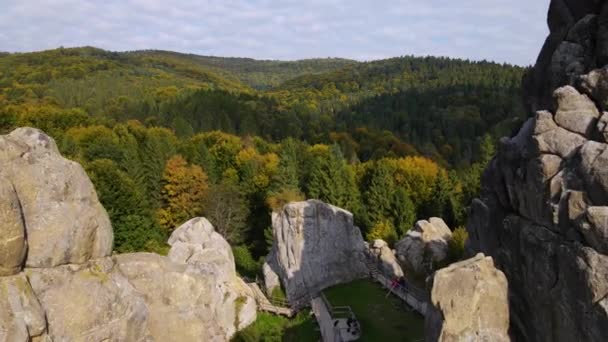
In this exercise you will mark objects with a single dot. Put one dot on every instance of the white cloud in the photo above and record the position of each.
(501, 30)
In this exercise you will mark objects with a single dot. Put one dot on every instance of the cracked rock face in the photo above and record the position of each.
(543, 208)
(543, 217)
(315, 246)
(424, 246)
(470, 303)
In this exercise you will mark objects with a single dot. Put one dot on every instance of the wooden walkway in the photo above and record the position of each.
(412, 295)
(275, 306)
(324, 319)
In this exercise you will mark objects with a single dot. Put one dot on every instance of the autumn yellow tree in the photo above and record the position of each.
(184, 189)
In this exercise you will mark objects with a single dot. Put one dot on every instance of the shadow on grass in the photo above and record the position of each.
(273, 328)
(382, 317)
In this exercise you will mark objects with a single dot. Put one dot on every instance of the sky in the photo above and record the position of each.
(510, 31)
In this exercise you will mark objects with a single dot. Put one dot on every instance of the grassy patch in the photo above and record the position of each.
(271, 328)
(381, 318)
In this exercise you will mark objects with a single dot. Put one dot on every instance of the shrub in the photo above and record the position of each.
(245, 264)
(456, 244)
(383, 230)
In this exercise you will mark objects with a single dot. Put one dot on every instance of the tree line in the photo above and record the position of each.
(165, 138)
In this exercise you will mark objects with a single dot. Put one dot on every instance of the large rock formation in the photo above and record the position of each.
(51, 201)
(315, 246)
(542, 213)
(425, 246)
(577, 44)
(385, 259)
(58, 281)
(470, 303)
(196, 243)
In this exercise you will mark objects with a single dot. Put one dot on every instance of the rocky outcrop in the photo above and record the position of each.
(184, 303)
(197, 244)
(469, 303)
(577, 44)
(315, 246)
(89, 302)
(51, 201)
(542, 212)
(542, 217)
(58, 281)
(271, 278)
(425, 246)
(385, 259)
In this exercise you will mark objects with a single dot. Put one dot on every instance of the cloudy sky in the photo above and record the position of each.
(500, 30)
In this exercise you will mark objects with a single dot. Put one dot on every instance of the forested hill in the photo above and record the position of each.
(441, 106)
(437, 107)
(166, 136)
(258, 74)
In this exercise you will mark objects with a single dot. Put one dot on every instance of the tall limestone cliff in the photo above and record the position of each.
(543, 209)
(315, 246)
(59, 281)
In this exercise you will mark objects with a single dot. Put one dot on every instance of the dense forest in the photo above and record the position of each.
(167, 136)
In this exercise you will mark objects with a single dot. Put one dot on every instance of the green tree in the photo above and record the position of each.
(331, 180)
(403, 212)
(378, 189)
(226, 208)
(133, 223)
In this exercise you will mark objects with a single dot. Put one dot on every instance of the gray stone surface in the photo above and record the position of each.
(182, 303)
(63, 219)
(576, 112)
(315, 246)
(542, 217)
(89, 302)
(469, 303)
(21, 316)
(271, 278)
(197, 244)
(385, 259)
(424, 246)
(573, 48)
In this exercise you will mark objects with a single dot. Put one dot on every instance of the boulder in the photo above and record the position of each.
(385, 259)
(315, 246)
(576, 112)
(271, 279)
(51, 201)
(595, 85)
(196, 244)
(469, 303)
(424, 246)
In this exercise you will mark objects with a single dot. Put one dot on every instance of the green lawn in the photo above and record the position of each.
(382, 319)
(272, 328)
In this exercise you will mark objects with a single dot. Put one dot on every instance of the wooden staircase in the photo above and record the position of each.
(273, 305)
